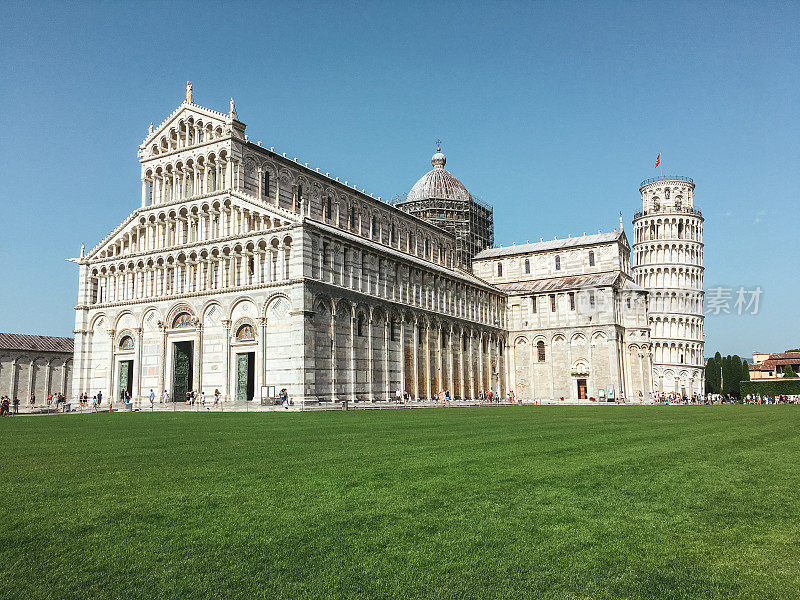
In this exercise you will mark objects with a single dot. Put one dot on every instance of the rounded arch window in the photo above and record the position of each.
(245, 333)
(183, 320)
(126, 343)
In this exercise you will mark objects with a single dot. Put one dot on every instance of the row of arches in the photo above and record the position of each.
(685, 328)
(579, 365)
(686, 353)
(675, 277)
(648, 254)
(352, 267)
(365, 217)
(255, 261)
(200, 222)
(188, 131)
(367, 352)
(188, 177)
(675, 302)
(665, 228)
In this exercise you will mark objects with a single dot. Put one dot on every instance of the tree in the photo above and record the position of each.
(712, 375)
(736, 374)
(788, 371)
(745, 371)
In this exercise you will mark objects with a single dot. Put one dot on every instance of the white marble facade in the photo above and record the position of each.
(255, 272)
(577, 323)
(247, 271)
(668, 261)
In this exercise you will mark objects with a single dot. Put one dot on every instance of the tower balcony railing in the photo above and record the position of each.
(689, 210)
(667, 178)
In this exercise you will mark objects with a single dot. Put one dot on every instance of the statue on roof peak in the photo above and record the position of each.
(189, 92)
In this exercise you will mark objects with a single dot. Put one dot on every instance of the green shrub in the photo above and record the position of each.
(771, 387)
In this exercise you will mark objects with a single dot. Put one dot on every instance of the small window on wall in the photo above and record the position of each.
(533, 304)
(266, 183)
(328, 211)
(591, 258)
(558, 263)
(627, 302)
(572, 300)
(393, 330)
(540, 350)
(591, 298)
(360, 325)
(126, 343)
(527, 266)
(245, 333)
(552, 303)
(499, 269)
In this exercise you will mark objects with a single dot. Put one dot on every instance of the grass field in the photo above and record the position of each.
(531, 502)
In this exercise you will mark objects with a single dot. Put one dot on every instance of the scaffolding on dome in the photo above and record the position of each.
(470, 221)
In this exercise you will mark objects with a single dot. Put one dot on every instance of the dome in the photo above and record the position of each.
(438, 183)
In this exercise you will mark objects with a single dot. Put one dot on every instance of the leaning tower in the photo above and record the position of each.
(667, 259)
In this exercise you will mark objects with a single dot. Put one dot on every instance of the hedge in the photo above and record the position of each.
(770, 387)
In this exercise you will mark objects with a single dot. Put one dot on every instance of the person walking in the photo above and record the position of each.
(94, 404)
(166, 396)
(216, 397)
(16, 405)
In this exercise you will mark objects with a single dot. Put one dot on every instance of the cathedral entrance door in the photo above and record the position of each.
(125, 380)
(181, 370)
(581, 389)
(245, 376)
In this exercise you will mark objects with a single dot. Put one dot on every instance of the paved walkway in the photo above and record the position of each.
(295, 407)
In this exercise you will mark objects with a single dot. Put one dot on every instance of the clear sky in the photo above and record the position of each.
(552, 112)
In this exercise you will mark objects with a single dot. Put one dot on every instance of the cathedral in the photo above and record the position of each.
(247, 272)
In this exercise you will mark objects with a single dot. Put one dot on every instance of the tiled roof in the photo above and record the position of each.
(776, 361)
(36, 343)
(583, 240)
(559, 283)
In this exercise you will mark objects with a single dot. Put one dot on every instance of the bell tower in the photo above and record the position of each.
(667, 258)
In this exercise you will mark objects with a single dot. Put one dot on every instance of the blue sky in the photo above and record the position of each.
(552, 112)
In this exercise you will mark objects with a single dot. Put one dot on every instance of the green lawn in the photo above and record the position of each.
(502, 502)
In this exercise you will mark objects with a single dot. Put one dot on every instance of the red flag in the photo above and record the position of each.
(658, 160)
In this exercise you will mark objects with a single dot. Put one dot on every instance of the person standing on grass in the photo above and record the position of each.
(152, 397)
(216, 397)
(16, 405)
(398, 395)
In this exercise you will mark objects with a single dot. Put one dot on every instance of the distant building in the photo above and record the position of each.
(35, 364)
(770, 366)
(442, 200)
